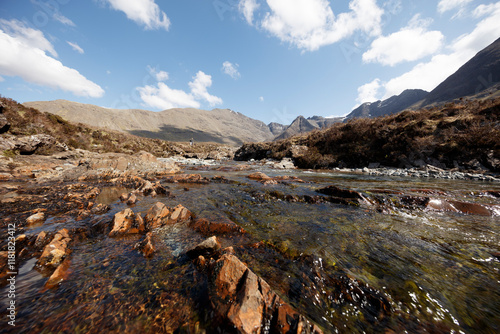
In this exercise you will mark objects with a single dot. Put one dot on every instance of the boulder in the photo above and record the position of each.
(258, 176)
(206, 248)
(206, 227)
(179, 213)
(126, 222)
(187, 178)
(245, 302)
(31, 144)
(56, 251)
(155, 215)
(37, 218)
(132, 199)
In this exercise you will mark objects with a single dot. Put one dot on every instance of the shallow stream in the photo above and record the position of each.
(373, 267)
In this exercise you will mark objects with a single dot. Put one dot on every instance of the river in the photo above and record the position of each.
(409, 255)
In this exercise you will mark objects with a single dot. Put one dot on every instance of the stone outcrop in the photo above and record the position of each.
(56, 251)
(127, 222)
(160, 215)
(244, 302)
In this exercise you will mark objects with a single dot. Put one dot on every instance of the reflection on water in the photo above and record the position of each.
(351, 268)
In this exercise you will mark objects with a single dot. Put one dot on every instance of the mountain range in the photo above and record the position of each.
(478, 78)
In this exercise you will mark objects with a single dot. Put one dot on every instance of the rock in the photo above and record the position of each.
(146, 246)
(187, 178)
(180, 213)
(245, 302)
(286, 163)
(100, 209)
(258, 176)
(206, 248)
(155, 215)
(206, 227)
(127, 222)
(457, 206)
(55, 252)
(339, 192)
(37, 218)
(59, 275)
(31, 144)
(132, 199)
(122, 164)
(41, 240)
(4, 124)
(124, 197)
(5, 176)
(146, 157)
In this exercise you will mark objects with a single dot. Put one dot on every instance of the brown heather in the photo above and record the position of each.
(455, 133)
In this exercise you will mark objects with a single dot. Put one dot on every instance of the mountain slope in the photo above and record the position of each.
(179, 124)
(389, 106)
(478, 74)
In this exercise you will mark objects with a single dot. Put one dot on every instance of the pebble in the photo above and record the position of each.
(424, 174)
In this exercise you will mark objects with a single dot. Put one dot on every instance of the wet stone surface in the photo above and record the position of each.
(249, 248)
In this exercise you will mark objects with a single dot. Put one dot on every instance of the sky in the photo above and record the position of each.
(270, 60)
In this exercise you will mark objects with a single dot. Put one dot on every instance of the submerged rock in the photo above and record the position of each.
(206, 248)
(37, 218)
(146, 246)
(206, 227)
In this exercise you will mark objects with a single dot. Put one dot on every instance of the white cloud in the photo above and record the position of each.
(368, 92)
(164, 97)
(63, 19)
(2, 79)
(247, 8)
(411, 43)
(199, 88)
(30, 37)
(143, 12)
(427, 75)
(158, 75)
(311, 24)
(447, 5)
(430, 74)
(76, 47)
(231, 69)
(261, 98)
(25, 57)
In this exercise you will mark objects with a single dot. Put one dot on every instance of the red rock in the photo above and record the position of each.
(187, 178)
(146, 246)
(55, 252)
(243, 301)
(259, 176)
(122, 223)
(132, 199)
(5, 176)
(460, 207)
(180, 213)
(155, 215)
(205, 248)
(59, 275)
(37, 218)
(206, 227)
(124, 197)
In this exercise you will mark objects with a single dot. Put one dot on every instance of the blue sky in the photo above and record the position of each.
(270, 60)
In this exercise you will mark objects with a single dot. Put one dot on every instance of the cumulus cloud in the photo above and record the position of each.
(447, 5)
(199, 88)
(143, 12)
(231, 69)
(427, 75)
(311, 24)
(368, 92)
(28, 36)
(76, 47)
(411, 43)
(248, 8)
(164, 97)
(24, 55)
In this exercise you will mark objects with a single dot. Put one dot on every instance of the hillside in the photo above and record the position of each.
(465, 135)
(219, 125)
(20, 123)
(389, 106)
(478, 74)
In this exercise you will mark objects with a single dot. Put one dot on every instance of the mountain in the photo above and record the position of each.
(180, 124)
(389, 106)
(276, 128)
(303, 125)
(477, 75)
